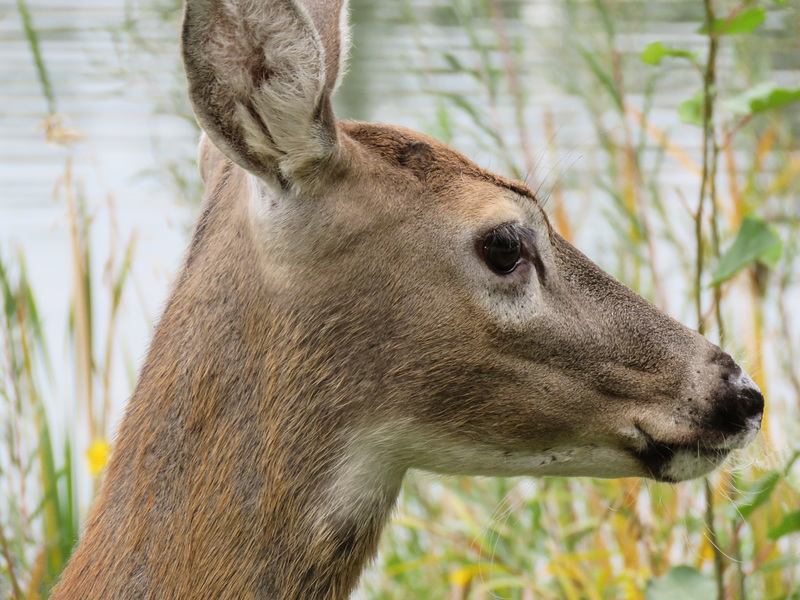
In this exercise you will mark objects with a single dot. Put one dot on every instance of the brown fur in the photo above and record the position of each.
(334, 326)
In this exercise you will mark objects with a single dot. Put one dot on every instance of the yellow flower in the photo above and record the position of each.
(97, 454)
(462, 576)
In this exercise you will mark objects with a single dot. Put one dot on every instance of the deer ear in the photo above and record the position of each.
(261, 74)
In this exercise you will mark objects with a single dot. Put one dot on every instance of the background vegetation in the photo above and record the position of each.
(697, 193)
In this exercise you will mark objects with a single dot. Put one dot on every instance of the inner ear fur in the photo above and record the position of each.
(261, 75)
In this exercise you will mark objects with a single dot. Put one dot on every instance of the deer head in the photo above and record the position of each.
(359, 300)
(475, 338)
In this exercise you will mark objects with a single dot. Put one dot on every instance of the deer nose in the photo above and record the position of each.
(742, 401)
(752, 402)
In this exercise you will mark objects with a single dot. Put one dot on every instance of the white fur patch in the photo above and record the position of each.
(366, 479)
(688, 465)
(345, 41)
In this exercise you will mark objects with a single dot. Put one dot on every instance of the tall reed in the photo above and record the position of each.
(41, 515)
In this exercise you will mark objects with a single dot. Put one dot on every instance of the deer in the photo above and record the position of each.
(359, 300)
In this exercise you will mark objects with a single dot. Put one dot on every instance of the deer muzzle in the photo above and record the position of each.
(730, 421)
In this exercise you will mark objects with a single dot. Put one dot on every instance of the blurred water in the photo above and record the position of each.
(115, 73)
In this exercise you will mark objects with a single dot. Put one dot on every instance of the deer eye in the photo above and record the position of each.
(502, 249)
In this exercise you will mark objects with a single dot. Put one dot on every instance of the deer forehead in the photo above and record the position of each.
(416, 155)
(398, 186)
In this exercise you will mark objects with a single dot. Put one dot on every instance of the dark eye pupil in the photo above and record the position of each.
(502, 251)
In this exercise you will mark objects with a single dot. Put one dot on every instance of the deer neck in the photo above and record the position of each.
(257, 478)
(287, 500)
(307, 493)
(321, 524)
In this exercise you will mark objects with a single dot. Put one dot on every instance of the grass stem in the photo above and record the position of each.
(9, 561)
(708, 189)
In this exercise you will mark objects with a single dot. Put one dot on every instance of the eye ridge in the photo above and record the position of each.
(502, 249)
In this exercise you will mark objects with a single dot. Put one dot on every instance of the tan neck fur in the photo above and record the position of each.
(223, 483)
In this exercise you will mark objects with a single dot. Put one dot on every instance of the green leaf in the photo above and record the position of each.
(683, 582)
(456, 65)
(507, 582)
(758, 494)
(756, 240)
(603, 76)
(779, 564)
(691, 110)
(33, 41)
(789, 524)
(746, 21)
(761, 97)
(653, 53)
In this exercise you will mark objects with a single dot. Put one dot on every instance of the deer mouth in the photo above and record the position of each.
(673, 462)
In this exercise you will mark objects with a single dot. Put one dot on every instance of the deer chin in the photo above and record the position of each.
(673, 462)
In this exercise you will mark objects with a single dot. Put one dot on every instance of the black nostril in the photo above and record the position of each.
(740, 403)
(751, 401)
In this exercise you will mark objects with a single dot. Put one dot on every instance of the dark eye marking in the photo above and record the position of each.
(508, 247)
